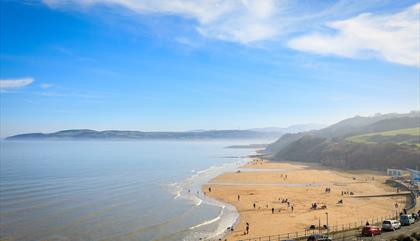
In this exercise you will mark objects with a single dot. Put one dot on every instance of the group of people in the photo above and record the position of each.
(256, 161)
(283, 201)
(283, 176)
(316, 206)
(346, 193)
(328, 190)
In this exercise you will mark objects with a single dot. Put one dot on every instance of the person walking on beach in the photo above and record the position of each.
(272, 210)
(247, 228)
(292, 208)
(209, 189)
(239, 197)
(254, 205)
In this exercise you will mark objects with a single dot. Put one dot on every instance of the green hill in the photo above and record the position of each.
(376, 142)
(409, 136)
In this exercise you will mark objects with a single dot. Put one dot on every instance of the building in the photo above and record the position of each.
(395, 173)
(414, 176)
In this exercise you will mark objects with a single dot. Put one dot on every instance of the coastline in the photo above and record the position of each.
(265, 184)
(190, 190)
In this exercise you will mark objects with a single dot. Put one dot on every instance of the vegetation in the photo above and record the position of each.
(408, 136)
(378, 142)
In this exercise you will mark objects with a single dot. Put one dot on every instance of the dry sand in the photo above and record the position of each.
(264, 184)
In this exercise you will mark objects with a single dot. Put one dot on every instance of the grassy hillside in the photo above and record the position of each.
(377, 142)
(378, 156)
(410, 136)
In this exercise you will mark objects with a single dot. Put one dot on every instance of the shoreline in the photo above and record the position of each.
(265, 184)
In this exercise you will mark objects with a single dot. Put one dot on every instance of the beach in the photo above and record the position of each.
(278, 197)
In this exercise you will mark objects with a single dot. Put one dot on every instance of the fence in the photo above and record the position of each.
(337, 231)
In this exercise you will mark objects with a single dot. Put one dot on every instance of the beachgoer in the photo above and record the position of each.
(292, 208)
(239, 197)
(272, 210)
(209, 189)
(254, 205)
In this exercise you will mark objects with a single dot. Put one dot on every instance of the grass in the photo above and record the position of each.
(365, 138)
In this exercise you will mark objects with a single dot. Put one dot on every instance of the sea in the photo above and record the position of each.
(114, 190)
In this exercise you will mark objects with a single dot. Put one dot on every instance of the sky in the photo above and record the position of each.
(204, 64)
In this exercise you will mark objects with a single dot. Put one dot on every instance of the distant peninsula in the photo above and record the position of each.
(267, 133)
(86, 134)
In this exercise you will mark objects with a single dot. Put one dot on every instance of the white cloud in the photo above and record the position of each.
(241, 21)
(46, 85)
(393, 37)
(6, 84)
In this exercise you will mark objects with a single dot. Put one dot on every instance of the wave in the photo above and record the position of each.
(209, 221)
(199, 202)
(190, 189)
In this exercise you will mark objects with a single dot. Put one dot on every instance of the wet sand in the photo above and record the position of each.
(265, 185)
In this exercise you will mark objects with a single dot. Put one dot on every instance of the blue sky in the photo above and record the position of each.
(183, 65)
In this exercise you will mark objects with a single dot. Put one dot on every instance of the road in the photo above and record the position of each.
(385, 236)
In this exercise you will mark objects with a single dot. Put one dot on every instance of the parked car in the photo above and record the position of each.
(318, 237)
(406, 219)
(371, 231)
(389, 225)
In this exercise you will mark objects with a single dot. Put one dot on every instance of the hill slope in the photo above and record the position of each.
(341, 144)
(409, 136)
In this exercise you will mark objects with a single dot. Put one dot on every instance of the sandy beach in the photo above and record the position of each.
(267, 184)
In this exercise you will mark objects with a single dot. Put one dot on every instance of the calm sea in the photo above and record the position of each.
(90, 190)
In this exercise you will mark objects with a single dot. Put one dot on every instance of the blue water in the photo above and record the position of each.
(86, 190)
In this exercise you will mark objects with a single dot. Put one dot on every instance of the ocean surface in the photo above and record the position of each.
(106, 190)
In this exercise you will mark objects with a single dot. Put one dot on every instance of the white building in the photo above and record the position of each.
(396, 172)
(415, 176)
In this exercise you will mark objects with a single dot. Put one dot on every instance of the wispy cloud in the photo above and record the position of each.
(6, 84)
(45, 85)
(241, 21)
(393, 37)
